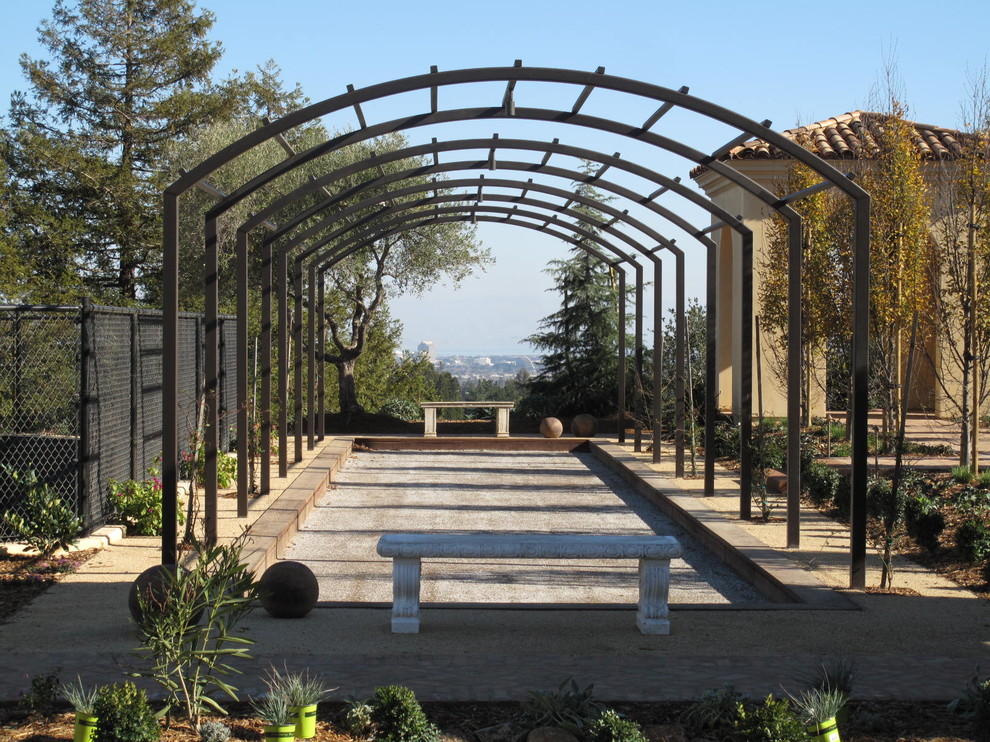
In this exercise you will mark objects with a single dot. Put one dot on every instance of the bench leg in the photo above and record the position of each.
(653, 616)
(405, 595)
(430, 422)
(501, 423)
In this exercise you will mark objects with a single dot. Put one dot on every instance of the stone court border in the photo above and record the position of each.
(785, 585)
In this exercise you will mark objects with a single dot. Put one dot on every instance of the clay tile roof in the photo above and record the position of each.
(849, 137)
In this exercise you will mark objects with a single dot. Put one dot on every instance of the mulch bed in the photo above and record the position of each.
(24, 577)
(868, 722)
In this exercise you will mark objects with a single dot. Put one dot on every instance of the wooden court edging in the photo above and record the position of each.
(275, 528)
(770, 572)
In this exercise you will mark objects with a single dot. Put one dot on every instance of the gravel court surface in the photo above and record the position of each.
(456, 491)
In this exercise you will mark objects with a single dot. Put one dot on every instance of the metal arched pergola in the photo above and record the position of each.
(508, 109)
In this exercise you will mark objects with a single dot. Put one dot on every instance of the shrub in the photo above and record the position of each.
(398, 717)
(357, 718)
(771, 721)
(925, 521)
(190, 636)
(769, 448)
(821, 482)
(961, 474)
(44, 693)
(975, 704)
(46, 522)
(973, 540)
(402, 409)
(843, 495)
(568, 707)
(536, 406)
(480, 413)
(807, 452)
(610, 727)
(138, 505)
(124, 715)
(715, 711)
(226, 466)
(726, 441)
(983, 479)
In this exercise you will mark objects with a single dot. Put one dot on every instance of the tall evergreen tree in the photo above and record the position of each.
(580, 339)
(123, 78)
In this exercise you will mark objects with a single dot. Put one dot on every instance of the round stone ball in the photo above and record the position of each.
(152, 584)
(288, 590)
(584, 426)
(551, 427)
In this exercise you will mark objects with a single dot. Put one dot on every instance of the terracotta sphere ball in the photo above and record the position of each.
(288, 590)
(584, 426)
(153, 586)
(551, 427)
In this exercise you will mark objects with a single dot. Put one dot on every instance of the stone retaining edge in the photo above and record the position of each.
(275, 528)
(770, 572)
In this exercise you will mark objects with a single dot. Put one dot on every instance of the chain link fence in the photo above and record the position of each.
(81, 398)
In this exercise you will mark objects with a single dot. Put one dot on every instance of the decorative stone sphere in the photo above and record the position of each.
(152, 584)
(584, 426)
(551, 427)
(288, 590)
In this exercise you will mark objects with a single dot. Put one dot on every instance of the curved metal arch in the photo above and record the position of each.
(551, 148)
(555, 210)
(517, 74)
(548, 148)
(566, 196)
(746, 315)
(372, 234)
(861, 263)
(513, 216)
(562, 194)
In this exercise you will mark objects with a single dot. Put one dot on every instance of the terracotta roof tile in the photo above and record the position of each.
(849, 136)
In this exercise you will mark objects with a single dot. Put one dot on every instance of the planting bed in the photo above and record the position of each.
(868, 722)
(24, 577)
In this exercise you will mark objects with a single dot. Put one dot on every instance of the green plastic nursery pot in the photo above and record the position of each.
(305, 720)
(825, 731)
(84, 728)
(280, 732)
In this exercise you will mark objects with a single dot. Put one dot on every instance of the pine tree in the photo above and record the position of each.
(84, 147)
(580, 339)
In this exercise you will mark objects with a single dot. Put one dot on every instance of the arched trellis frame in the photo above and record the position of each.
(588, 82)
(583, 236)
(494, 144)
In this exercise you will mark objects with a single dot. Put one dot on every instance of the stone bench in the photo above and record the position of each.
(501, 415)
(408, 549)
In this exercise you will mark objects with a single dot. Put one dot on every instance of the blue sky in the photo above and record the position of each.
(790, 63)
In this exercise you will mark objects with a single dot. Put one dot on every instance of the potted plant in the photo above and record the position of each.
(303, 694)
(818, 708)
(82, 701)
(279, 725)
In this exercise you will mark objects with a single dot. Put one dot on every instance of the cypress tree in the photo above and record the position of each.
(580, 339)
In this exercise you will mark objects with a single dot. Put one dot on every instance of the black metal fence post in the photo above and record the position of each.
(136, 448)
(85, 317)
